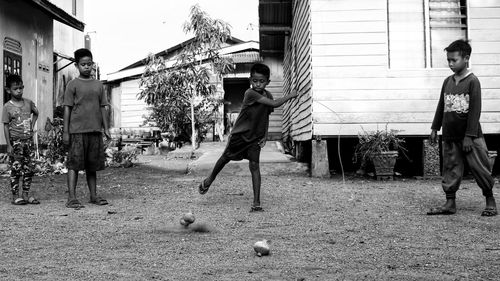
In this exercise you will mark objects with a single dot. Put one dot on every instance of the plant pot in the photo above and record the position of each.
(384, 163)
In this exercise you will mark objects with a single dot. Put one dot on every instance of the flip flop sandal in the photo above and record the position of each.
(202, 188)
(33, 200)
(256, 209)
(98, 201)
(74, 204)
(489, 212)
(440, 211)
(19, 201)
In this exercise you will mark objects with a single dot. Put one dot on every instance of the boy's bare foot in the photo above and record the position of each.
(491, 208)
(449, 208)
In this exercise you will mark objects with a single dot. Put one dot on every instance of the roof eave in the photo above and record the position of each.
(57, 14)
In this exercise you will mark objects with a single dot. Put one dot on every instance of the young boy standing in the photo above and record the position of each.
(458, 113)
(18, 117)
(85, 117)
(249, 133)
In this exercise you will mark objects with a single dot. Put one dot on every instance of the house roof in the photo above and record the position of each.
(174, 49)
(245, 52)
(57, 13)
(275, 23)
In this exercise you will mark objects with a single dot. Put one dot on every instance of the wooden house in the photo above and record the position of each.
(361, 65)
(128, 111)
(29, 38)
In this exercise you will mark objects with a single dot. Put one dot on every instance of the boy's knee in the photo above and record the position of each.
(254, 166)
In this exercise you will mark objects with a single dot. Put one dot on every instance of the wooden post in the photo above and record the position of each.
(319, 159)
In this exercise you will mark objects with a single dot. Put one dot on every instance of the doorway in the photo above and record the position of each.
(234, 91)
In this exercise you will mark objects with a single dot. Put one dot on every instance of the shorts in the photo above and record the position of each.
(238, 149)
(86, 152)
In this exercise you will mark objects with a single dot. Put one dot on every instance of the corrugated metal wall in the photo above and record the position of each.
(298, 74)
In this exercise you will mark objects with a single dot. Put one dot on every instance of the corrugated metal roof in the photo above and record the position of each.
(57, 13)
(275, 21)
(244, 57)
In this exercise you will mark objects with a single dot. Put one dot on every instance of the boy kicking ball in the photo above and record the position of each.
(458, 113)
(249, 133)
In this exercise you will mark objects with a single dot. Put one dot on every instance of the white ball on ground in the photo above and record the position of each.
(184, 223)
(261, 248)
(188, 217)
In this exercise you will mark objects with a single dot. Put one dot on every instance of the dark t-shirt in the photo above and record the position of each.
(459, 109)
(19, 119)
(85, 97)
(253, 121)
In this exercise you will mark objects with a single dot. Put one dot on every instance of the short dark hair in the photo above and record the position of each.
(462, 46)
(262, 69)
(13, 78)
(80, 53)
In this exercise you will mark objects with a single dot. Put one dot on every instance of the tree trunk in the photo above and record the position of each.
(193, 130)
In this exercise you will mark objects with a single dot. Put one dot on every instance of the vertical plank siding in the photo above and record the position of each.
(132, 109)
(297, 122)
(354, 88)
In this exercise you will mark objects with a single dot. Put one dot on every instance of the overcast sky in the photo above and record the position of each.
(125, 31)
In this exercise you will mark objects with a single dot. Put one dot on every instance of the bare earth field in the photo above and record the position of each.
(319, 229)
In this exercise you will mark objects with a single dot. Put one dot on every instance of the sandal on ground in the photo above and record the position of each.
(30, 199)
(98, 201)
(19, 201)
(440, 211)
(256, 209)
(489, 212)
(74, 204)
(202, 188)
(33, 200)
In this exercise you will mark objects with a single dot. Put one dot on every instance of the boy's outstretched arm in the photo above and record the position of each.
(105, 122)
(278, 102)
(67, 115)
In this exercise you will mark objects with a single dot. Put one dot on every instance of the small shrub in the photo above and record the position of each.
(121, 158)
(374, 142)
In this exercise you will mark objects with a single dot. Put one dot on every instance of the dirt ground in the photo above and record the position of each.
(319, 229)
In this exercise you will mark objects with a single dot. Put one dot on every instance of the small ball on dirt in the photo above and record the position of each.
(184, 223)
(188, 217)
(261, 248)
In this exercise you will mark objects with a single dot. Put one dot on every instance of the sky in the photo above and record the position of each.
(125, 31)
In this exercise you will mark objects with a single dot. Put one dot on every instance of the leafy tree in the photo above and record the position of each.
(182, 93)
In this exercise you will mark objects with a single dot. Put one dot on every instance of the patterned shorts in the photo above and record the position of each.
(86, 152)
(22, 157)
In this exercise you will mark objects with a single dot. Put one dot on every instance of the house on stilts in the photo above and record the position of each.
(366, 64)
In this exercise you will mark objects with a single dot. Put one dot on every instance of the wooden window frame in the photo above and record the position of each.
(14, 58)
(426, 36)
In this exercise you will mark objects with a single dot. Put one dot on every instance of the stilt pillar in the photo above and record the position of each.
(319, 159)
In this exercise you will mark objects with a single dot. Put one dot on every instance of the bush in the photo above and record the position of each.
(121, 158)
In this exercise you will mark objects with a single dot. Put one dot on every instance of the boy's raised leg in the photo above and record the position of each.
(219, 165)
(256, 181)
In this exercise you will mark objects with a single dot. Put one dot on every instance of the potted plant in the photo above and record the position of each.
(380, 147)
